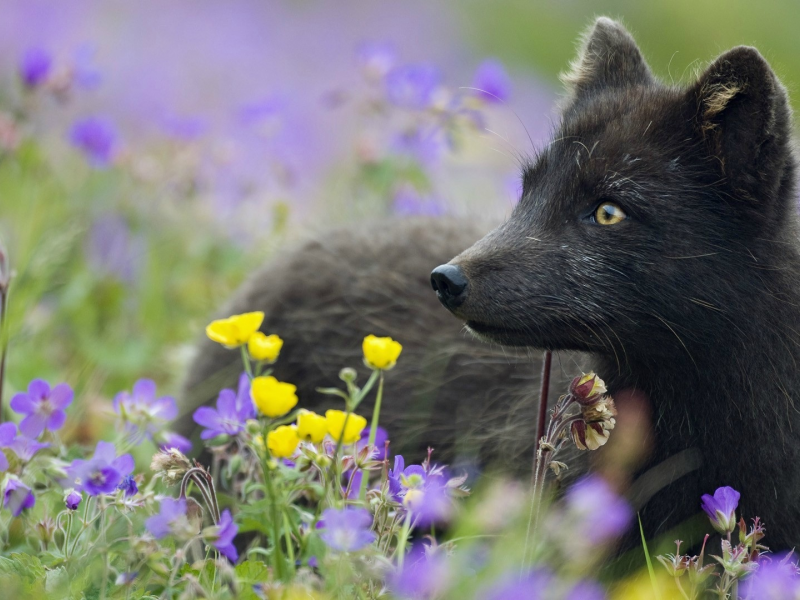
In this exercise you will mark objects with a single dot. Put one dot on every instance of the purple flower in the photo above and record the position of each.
(430, 503)
(530, 586)
(171, 516)
(128, 485)
(126, 578)
(73, 499)
(425, 146)
(585, 590)
(721, 508)
(425, 574)
(599, 513)
(142, 413)
(8, 432)
(170, 439)
(376, 58)
(84, 72)
(34, 67)
(776, 578)
(44, 407)
(407, 201)
(347, 529)
(96, 137)
(232, 412)
(491, 82)
(184, 128)
(25, 448)
(111, 250)
(17, 497)
(381, 437)
(103, 472)
(223, 537)
(412, 86)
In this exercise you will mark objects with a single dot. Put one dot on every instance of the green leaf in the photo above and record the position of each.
(649, 562)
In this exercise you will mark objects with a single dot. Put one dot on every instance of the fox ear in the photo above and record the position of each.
(741, 111)
(609, 57)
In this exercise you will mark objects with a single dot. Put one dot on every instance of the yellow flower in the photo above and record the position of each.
(311, 426)
(264, 347)
(236, 330)
(380, 352)
(272, 397)
(282, 441)
(355, 425)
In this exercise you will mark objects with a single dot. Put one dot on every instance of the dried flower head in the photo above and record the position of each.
(171, 465)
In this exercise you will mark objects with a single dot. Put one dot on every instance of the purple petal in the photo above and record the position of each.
(105, 451)
(170, 439)
(38, 389)
(56, 420)
(166, 408)
(21, 403)
(124, 464)
(144, 390)
(61, 396)
(3, 462)
(226, 404)
(229, 552)
(158, 526)
(207, 417)
(33, 425)
(8, 432)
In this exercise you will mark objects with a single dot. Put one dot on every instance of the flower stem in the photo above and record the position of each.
(3, 342)
(277, 554)
(400, 551)
(373, 430)
(248, 367)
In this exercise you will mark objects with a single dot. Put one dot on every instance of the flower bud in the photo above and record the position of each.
(171, 465)
(721, 508)
(348, 375)
(73, 499)
(588, 436)
(587, 388)
(45, 530)
(253, 427)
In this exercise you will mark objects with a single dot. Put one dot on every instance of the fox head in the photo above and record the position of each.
(650, 221)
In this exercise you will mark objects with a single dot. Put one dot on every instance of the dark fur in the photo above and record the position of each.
(693, 300)
(470, 401)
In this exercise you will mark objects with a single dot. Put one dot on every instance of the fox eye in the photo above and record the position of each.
(609, 213)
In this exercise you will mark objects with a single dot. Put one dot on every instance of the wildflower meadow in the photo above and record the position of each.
(141, 182)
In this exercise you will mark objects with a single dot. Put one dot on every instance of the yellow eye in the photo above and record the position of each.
(609, 213)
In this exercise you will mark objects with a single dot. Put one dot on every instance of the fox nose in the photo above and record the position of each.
(450, 285)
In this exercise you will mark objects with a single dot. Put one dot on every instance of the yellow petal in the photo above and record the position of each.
(380, 352)
(272, 397)
(311, 426)
(235, 330)
(336, 423)
(264, 347)
(282, 441)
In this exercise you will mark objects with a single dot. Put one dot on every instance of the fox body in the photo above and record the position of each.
(656, 233)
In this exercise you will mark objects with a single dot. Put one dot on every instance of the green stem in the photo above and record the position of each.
(277, 555)
(400, 551)
(248, 367)
(289, 546)
(373, 430)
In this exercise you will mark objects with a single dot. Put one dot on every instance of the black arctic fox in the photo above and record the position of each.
(656, 232)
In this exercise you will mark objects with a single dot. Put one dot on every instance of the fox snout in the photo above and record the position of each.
(450, 284)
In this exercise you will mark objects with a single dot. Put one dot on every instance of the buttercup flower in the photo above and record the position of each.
(336, 426)
(17, 497)
(282, 441)
(380, 352)
(235, 330)
(142, 413)
(721, 508)
(44, 407)
(221, 536)
(264, 347)
(272, 397)
(311, 426)
(347, 529)
(231, 414)
(103, 472)
(73, 499)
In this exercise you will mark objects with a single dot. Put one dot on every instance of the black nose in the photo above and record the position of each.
(450, 285)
